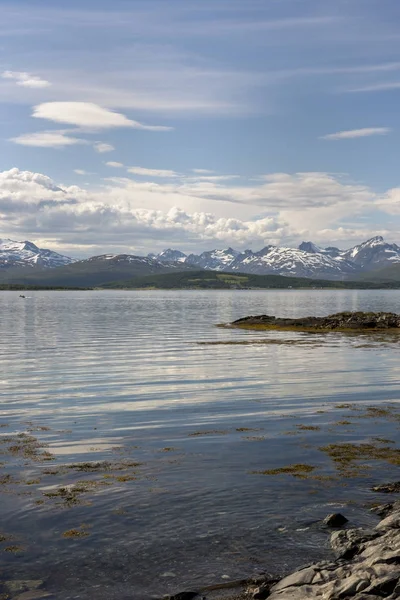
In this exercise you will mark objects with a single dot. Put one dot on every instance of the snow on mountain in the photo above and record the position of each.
(216, 260)
(26, 254)
(308, 260)
(169, 255)
(148, 264)
(373, 254)
(292, 262)
(311, 248)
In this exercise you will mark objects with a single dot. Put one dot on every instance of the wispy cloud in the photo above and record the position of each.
(357, 133)
(89, 115)
(102, 147)
(152, 172)
(376, 87)
(47, 139)
(26, 79)
(114, 164)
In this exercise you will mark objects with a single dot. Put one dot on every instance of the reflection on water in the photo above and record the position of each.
(146, 379)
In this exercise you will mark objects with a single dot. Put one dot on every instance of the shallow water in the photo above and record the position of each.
(121, 376)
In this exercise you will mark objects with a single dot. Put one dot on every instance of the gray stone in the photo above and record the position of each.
(303, 577)
(351, 585)
(305, 592)
(346, 543)
(385, 586)
(392, 521)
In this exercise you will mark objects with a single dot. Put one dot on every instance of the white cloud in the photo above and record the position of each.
(213, 178)
(47, 139)
(202, 171)
(81, 172)
(152, 172)
(101, 147)
(304, 205)
(357, 133)
(376, 87)
(88, 115)
(114, 165)
(25, 79)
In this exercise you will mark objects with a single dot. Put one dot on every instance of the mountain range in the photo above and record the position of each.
(308, 260)
(24, 262)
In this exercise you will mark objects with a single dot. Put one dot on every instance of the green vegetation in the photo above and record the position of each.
(294, 470)
(216, 280)
(20, 287)
(347, 457)
(105, 274)
(76, 533)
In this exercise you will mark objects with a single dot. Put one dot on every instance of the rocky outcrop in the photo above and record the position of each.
(367, 567)
(344, 321)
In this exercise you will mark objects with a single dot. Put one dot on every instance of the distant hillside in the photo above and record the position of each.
(94, 271)
(388, 274)
(218, 280)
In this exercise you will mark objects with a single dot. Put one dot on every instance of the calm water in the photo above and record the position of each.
(122, 377)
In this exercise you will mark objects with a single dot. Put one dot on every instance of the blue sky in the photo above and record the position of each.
(135, 125)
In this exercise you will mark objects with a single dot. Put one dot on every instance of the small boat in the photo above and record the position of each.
(22, 296)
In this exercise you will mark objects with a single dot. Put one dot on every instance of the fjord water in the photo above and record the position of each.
(131, 376)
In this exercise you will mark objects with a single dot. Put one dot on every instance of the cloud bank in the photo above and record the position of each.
(139, 216)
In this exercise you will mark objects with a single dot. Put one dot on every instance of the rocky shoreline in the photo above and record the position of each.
(344, 321)
(366, 567)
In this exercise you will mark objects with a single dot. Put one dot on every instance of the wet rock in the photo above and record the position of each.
(185, 596)
(22, 585)
(388, 488)
(335, 520)
(262, 592)
(383, 510)
(32, 595)
(367, 567)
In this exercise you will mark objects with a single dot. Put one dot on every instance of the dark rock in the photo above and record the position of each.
(335, 520)
(385, 586)
(388, 488)
(382, 510)
(262, 592)
(361, 321)
(185, 596)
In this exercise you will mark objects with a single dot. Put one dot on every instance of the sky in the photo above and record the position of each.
(137, 125)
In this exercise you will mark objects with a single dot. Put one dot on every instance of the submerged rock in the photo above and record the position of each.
(388, 488)
(335, 520)
(344, 321)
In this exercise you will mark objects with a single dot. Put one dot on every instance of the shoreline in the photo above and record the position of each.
(365, 567)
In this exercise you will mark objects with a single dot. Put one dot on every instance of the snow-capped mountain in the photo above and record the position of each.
(169, 256)
(373, 254)
(216, 260)
(26, 254)
(149, 263)
(308, 260)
